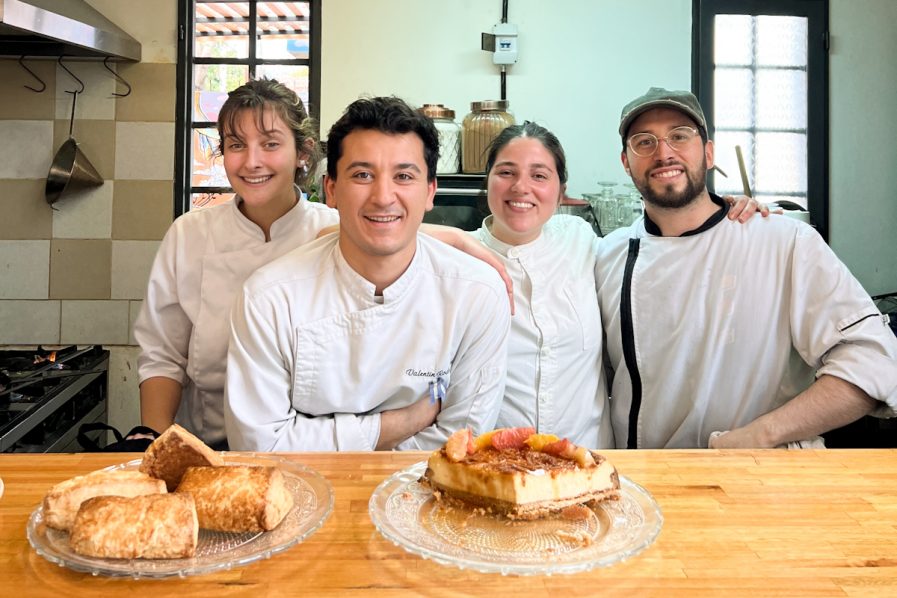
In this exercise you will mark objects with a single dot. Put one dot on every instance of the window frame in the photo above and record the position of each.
(817, 14)
(184, 124)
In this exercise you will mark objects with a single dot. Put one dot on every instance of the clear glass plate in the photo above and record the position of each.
(312, 504)
(406, 513)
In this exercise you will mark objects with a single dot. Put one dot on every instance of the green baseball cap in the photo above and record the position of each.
(658, 97)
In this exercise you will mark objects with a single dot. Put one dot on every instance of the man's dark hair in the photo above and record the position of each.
(389, 115)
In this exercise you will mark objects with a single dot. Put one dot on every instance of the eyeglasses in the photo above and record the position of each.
(645, 144)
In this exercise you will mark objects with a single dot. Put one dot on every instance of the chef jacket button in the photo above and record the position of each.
(513, 253)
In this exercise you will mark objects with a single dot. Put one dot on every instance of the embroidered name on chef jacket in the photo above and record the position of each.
(437, 387)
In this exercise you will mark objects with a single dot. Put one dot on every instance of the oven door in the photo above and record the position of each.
(460, 202)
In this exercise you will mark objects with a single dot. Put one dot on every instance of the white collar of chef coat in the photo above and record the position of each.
(507, 250)
(287, 222)
(360, 287)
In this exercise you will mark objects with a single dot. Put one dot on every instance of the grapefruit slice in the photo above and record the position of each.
(511, 438)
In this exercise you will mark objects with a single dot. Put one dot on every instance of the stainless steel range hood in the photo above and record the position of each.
(52, 28)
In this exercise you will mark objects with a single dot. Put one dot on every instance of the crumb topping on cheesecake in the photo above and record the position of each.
(523, 460)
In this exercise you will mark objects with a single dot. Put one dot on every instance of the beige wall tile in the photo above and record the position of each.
(19, 103)
(95, 102)
(26, 150)
(124, 389)
(94, 322)
(29, 322)
(86, 214)
(96, 142)
(152, 97)
(134, 307)
(142, 210)
(79, 269)
(24, 269)
(144, 151)
(131, 263)
(26, 214)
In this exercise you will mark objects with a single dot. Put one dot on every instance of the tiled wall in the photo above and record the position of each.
(75, 273)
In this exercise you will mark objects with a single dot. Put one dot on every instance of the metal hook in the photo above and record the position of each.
(30, 72)
(80, 82)
(119, 78)
(74, 94)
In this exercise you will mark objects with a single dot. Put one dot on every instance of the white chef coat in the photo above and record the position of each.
(201, 265)
(716, 328)
(315, 356)
(555, 381)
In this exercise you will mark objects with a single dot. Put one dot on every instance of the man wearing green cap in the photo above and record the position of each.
(721, 334)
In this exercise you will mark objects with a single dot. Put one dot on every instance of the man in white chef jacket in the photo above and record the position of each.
(377, 337)
(722, 334)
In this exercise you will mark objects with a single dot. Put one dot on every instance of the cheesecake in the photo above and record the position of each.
(519, 474)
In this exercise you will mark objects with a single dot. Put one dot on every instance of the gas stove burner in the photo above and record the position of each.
(45, 394)
(19, 362)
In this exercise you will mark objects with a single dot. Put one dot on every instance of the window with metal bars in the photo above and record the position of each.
(221, 46)
(760, 71)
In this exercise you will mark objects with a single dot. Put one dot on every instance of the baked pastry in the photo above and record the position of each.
(238, 498)
(518, 473)
(156, 526)
(169, 456)
(62, 501)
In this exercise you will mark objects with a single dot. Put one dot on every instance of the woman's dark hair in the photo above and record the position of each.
(388, 115)
(260, 94)
(530, 129)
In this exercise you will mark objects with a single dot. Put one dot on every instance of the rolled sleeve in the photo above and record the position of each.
(163, 327)
(837, 328)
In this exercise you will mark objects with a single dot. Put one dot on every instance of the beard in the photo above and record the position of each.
(668, 197)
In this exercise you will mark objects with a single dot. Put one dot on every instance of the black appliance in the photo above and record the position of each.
(460, 201)
(45, 396)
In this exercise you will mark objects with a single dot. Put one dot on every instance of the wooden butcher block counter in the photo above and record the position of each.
(735, 523)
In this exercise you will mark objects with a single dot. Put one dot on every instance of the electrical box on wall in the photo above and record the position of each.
(502, 42)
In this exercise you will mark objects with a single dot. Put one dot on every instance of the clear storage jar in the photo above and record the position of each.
(449, 137)
(486, 120)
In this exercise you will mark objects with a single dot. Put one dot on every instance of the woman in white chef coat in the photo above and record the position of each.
(270, 152)
(555, 381)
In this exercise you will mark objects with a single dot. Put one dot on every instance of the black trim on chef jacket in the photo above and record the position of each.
(653, 229)
(629, 343)
(866, 317)
(626, 328)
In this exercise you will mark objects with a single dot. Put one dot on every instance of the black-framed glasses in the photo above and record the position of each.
(645, 144)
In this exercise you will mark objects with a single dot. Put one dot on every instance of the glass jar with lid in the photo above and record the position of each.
(449, 137)
(486, 120)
